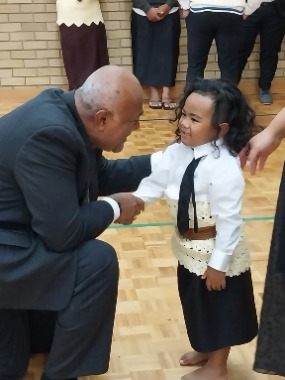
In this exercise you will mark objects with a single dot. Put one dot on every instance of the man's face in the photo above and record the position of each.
(111, 128)
(123, 121)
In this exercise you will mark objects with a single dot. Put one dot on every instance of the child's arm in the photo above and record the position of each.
(150, 189)
(225, 196)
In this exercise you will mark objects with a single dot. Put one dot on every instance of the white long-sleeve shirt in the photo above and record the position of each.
(232, 6)
(218, 181)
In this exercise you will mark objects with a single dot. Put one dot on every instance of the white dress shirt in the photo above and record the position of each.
(218, 181)
(154, 161)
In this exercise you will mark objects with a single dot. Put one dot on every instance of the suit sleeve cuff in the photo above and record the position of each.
(219, 260)
(115, 206)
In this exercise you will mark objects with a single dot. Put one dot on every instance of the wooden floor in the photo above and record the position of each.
(149, 334)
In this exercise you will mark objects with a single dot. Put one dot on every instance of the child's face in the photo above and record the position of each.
(195, 124)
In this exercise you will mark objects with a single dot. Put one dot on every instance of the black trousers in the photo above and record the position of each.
(81, 337)
(267, 22)
(202, 29)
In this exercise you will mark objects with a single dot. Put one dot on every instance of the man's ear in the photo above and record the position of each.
(224, 128)
(100, 119)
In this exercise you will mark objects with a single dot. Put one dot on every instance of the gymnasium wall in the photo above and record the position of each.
(30, 53)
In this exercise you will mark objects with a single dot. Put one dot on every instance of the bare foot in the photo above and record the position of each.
(193, 358)
(206, 373)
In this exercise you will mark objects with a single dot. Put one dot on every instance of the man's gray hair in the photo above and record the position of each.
(94, 95)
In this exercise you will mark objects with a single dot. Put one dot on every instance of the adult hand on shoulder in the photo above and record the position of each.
(152, 15)
(258, 149)
(130, 207)
(163, 11)
(215, 279)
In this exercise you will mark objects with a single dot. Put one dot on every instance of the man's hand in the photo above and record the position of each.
(258, 149)
(130, 207)
(152, 15)
(163, 11)
(215, 279)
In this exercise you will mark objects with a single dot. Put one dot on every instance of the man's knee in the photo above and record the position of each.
(96, 256)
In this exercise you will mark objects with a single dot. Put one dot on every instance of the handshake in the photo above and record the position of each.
(130, 207)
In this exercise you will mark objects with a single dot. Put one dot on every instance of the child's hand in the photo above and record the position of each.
(215, 279)
(185, 12)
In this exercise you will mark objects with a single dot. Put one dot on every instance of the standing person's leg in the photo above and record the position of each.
(228, 28)
(170, 51)
(84, 50)
(83, 331)
(246, 41)
(199, 41)
(271, 36)
(143, 49)
(14, 344)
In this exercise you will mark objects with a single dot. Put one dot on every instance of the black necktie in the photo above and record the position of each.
(185, 193)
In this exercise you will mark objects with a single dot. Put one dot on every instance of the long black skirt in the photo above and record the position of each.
(84, 50)
(155, 49)
(270, 350)
(217, 319)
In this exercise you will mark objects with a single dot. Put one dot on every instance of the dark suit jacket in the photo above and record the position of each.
(47, 170)
(280, 4)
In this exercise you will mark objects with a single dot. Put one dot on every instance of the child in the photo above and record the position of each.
(155, 27)
(214, 278)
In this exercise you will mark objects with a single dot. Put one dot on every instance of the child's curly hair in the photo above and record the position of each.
(230, 106)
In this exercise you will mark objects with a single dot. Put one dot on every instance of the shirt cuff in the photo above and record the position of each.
(155, 159)
(115, 206)
(219, 260)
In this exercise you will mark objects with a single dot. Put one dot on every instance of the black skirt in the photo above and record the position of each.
(270, 350)
(155, 48)
(84, 50)
(217, 319)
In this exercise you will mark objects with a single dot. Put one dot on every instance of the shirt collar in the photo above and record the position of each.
(205, 149)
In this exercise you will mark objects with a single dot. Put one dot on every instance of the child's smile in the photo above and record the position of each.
(195, 123)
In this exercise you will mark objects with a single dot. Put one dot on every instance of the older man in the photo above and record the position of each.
(51, 174)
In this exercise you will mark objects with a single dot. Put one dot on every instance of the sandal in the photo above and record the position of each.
(155, 104)
(168, 104)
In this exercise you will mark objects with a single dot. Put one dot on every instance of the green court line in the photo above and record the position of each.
(163, 224)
